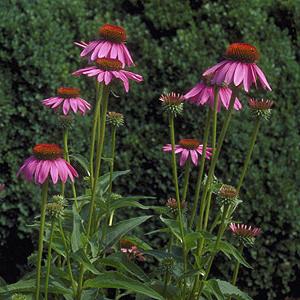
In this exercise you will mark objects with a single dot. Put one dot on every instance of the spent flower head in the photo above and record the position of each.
(261, 108)
(172, 103)
(246, 234)
(115, 119)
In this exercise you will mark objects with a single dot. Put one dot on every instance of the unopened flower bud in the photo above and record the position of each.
(115, 119)
(261, 108)
(55, 210)
(227, 194)
(172, 103)
(60, 199)
(66, 122)
(246, 234)
(18, 297)
(173, 206)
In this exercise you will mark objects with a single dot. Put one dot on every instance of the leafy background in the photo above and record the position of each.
(172, 43)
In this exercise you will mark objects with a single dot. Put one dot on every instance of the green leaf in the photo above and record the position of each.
(76, 243)
(82, 258)
(103, 181)
(82, 161)
(129, 202)
(173, 226)
(231, 251)
(119, 281)
(228, 289)
(115, 232)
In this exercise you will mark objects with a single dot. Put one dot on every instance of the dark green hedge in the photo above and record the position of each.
(172, 42)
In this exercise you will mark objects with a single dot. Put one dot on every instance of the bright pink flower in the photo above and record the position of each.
(68, 98)
(188, 148)
(108, 70)
(203, 93)
(244, 231)
(47, 162)
(111, 45)
(238, 68)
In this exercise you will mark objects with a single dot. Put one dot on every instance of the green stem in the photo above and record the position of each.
(175, 180)
(200, 173)
(249, 154)
(237, 267)
(113, 148)
(216, 247)
(187, 170)
(41, 238)
(99, 91)
(48, 268)
(67, 257)
(67, 158)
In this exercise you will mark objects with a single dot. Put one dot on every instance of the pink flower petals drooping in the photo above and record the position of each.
(188, 148)
(108, 70)
(203, 94)
(68, 99)
(110, 45)
(246, 234)
(239, 68)
(47, 162)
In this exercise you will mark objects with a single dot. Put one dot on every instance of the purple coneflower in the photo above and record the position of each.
(239, 68)
(203, 94)
(47, 162)
(107, 70)
(110, 45)
(189, 148)
(247, 234)
(68, 98)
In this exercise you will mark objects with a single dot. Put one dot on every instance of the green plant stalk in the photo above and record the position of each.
(237, 267)
(67, 158)
(214, 140)
(104, 99)
(99, 91)
(201, 170)
(175, 180)
(44, 197)
(67, 257)
(187, 171)
(48, 268)
(215, 251)
(249, 153)
(216, 154)
(113, 149)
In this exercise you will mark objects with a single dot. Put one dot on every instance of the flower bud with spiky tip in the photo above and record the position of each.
(167, 264)
(261, 108)
(55, 210)
(115, 196)
(171, 203)
(172, 103)
(246, 234)
(115, 119)
(60, 199)
(32, 259)
(65, 121)
(227, 195)
(18, 297)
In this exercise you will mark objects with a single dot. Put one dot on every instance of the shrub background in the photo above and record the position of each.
(172, 42)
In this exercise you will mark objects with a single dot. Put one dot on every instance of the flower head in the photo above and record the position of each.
(55, 210)
(261, 108)
(203, 94)
(173, 206)
(246, 234)
(188, 148)
(18, 297)
(115, 119)
(239, 68)
(47, 162)
(172, 103)
(68, 98)
(111, 44)
(131, 250)
(108, 70)
(227, 195)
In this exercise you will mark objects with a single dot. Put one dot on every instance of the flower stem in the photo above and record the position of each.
(187, 170)
(44, 197)
(175, 180)
(67, 158)
(113, 148)
(249, 154)
(67, 257)
(201, 169)
(215, 250)
(99, 91)
(48, 268)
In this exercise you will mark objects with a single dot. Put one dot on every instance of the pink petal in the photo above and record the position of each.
(184, 156)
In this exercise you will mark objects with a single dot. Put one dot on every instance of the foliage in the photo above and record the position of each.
(172, 42)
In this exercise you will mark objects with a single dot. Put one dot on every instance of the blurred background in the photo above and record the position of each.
(172, 42)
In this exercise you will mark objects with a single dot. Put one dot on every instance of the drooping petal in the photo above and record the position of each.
(262, 77)
(238, 74)
(184, 157)
(194, 156)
